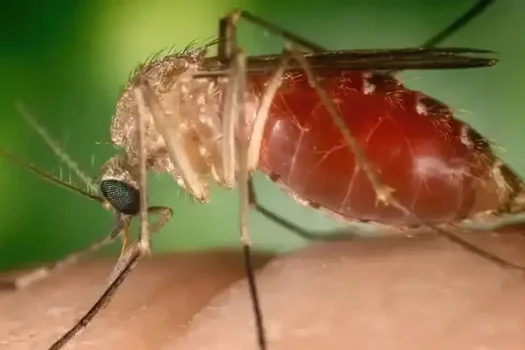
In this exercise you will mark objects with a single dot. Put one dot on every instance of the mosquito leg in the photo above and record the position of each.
(132, 258)
(165, 214)
(472, 13)
(144, 242)
(170, 127)
(384, 193)
(147, 102)
(479, 7)
(476, 250)
(325, 236)
(230, 112)
(244, 177)
(43, 272)
(145, 236)
(125, 242)
(234, 116)
(272, 28)
(256, 137)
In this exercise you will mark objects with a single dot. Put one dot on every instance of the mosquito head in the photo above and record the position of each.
(119, 186)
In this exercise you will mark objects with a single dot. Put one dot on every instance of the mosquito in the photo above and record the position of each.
(222, 118)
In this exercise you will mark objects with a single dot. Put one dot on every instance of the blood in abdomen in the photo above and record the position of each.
(410, 138)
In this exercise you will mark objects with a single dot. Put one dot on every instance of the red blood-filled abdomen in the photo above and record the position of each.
(438, 166)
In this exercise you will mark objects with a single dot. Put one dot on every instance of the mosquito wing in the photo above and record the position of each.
(382, 59)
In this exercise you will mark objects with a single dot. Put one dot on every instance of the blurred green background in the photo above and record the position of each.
(67, 60)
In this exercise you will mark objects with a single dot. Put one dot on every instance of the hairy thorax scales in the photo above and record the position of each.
(194, 104)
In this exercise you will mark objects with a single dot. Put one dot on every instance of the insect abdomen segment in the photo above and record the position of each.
(441, 169)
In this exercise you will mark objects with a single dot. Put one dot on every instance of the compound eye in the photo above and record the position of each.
(123, 197)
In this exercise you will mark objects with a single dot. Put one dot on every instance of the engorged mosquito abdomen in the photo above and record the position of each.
(440, 168)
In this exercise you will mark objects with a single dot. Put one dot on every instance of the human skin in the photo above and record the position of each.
(389, 293)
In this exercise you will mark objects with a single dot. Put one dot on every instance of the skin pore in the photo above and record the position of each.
(390, 293)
